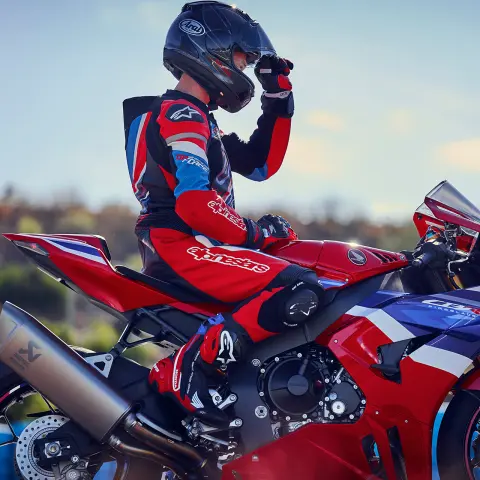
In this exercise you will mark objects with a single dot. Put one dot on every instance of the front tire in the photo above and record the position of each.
(458, 448)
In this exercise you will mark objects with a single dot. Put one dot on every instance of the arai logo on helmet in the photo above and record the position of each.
(192, 27)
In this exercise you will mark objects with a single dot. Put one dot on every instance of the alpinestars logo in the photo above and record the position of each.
(226, 345)
(245, 263)
(220, 208)
(185, 112)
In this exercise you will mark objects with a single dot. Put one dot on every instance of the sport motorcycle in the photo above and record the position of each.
(351, 394)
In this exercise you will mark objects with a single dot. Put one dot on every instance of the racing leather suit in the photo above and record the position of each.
(180, 166)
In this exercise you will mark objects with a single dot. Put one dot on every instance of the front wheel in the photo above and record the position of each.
(458, 449)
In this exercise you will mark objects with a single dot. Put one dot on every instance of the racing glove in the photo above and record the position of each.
(272, 72)
(268, 230)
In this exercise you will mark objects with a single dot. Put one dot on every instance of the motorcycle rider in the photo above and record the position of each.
(181, 164)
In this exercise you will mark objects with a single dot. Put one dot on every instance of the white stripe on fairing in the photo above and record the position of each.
(94, 258)
(139, 134)
(389, 326)
(475, 289)
(189, 147)
(358, 311)
(393, 329)
(445, 360)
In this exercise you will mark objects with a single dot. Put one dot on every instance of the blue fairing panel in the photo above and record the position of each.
(454, 317)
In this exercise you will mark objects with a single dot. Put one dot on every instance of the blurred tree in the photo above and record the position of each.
(116, 223)
(77, 220)
(28, 224)
(100, 336)
(134, 261)
(33, 291)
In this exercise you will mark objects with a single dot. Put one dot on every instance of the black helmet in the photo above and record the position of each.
(201, 43)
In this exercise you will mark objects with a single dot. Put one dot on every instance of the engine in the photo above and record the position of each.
(307, 385)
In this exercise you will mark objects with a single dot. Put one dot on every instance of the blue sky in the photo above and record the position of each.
(387, 98)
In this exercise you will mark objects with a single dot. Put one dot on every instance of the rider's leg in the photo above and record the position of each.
(284, 295)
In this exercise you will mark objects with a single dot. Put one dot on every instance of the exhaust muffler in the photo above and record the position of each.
(55, 370)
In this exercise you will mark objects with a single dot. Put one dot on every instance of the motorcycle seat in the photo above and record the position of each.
(174, 291)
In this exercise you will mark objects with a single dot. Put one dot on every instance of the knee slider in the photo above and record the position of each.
(300, 306)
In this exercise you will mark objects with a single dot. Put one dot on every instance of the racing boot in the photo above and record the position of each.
(185, 375)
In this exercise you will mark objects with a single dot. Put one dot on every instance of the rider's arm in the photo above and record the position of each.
(197, 204)
(262, 156)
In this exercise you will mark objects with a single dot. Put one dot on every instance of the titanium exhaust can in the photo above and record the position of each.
(62, 375)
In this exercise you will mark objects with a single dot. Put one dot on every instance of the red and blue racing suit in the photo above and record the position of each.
(189, 233)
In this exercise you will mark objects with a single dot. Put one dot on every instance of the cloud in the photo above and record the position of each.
(312, 156)
(463, 154)
(401, 121)
(327, 120)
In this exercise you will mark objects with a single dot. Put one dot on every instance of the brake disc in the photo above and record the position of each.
(25, 458)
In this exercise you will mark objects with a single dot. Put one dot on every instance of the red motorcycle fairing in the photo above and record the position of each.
(394, 419)
(338, 261)
(83, 262)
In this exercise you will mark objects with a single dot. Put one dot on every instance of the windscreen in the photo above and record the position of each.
(446, 194)
(446, 203)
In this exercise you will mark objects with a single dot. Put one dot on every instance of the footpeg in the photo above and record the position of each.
(221, 403)
(198, 429)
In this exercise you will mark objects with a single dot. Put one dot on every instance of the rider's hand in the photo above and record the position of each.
(268, 230)
(272, 72)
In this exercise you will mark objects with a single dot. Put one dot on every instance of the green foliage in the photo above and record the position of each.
(29, 224)
(77, 220)
(32, 290)
(100, 337)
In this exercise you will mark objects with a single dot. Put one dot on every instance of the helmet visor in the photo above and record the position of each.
(254, 42)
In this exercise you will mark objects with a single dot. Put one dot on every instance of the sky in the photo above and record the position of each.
(387, 99)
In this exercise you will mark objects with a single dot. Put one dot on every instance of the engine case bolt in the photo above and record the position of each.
(351, 417)
(75, 458)
(255, 458)
(327, 380)
(256, 362)
(238, 422)
(304, 415)
(232, 397)
(261, 394)
(299, 355)
(274, 412)
(332, 417)
(355, 387)
(287, 419)
(364, 402)
(261, 411)
(338, 407)
(108, 358)
(277, 359)
(327, 399)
